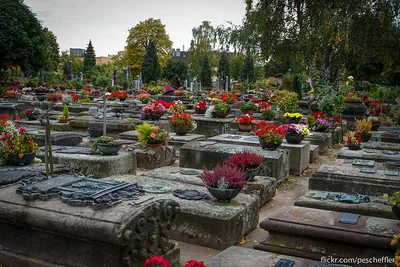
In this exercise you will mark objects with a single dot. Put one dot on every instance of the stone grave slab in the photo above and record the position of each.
(380, 146)
(177, 141)
(379, 155)
(263, 187)
(246, 257)
(60, 138)
(155, 157)
(320, 139)
(377, 207)
(299, 158)
(349, 179)
(54, 233)
(316, 233)
(212, 126)
(205, 222)
(207, 154)
(78, 160)
(12, 109)
(15, 175)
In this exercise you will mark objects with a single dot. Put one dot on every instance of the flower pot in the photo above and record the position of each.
(152, 117)
(155, 143)
(354, 147)
(365, 136)
(40, 96)
(32, 117)
(294, 138)
(181, 130)
(291, 121)
(249, 111)
(245, 127)
(269, 145)
(354, 107)
(223, 194)
(109, 148)
(220, 114)
(201, 110)
(375, 126)
(396, 212)
(17, 161)
(63, 120)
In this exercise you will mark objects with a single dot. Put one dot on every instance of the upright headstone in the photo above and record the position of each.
(70, 74)
(81, 76)
(41, 79)
(115, 77)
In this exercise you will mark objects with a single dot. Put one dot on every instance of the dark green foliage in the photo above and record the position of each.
(23, 40)
(247, 72)
(205, 74)
(175, 72)
(223, 68)
(151, 70)
(77, 65)
(89, 61)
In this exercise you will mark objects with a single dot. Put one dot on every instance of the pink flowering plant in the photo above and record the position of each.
(16, 141)
(155, 108)
(148, 133)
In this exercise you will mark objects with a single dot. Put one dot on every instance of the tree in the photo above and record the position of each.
(247, 72)
(236, 65)
(175, 72)
(77, 65)
(52, 52)
(205, 73)
(151, 70)
(89, 60)
(202, 45)
(223, 69)
(22, 40)
(137, 41)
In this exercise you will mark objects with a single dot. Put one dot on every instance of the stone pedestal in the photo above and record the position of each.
(315, 233)
(60, 138)
(155, 157)
(262, 187)
(97, 165)
(314, 153)
(349, 179)
(319, 139)
(299, 158)
(53, 233)
(212, 126)
(207, 154)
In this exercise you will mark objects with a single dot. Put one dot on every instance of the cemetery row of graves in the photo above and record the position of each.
(69, 178)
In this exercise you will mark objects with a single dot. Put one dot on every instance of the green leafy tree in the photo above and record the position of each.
(52, 52)
(247, 72)
(151, 70)
(236, 64)
(175, 72)
(202, 45)
(77, 65)
(137, 41)
(223, 68)
(205, 74)
(89, 60)
(22, 40)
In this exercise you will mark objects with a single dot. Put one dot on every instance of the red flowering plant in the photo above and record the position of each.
(200, 107)
(182, 119)
(155, 108)
(40, 89)
(158, 260)
(245, 120)
(263, 104)
(228, 98)
(353, 138)
(120, 94)
(144, 97)
(16, 141)
(270, 132)
(12, 92)
(376, 108)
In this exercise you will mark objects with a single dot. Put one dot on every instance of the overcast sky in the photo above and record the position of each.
(107, 23)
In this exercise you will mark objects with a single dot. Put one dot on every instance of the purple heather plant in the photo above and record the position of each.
(223, 176)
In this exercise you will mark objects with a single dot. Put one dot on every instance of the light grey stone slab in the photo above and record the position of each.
(379, 156)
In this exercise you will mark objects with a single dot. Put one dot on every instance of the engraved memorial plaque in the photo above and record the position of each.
(284, 263)
(391, 173)
(367, 170)
(349, 218)
(363, 162)
(369, 150)
(321, 195)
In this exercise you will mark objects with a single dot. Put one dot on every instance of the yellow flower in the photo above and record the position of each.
(214, 99)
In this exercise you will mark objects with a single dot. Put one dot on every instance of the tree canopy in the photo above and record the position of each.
(151, 70)
(223, 68)
(138, 40)
(205, 74)
(175, 72)
(89, 60)
(23, 41)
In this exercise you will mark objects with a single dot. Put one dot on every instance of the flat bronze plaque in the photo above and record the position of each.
(391, 173)
(349, 218)
(369, 150)
(367, 170)
(321, 195)
(363, 162)
(284, 263)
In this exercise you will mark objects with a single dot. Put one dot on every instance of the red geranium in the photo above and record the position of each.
(270, 132)
(245, 119)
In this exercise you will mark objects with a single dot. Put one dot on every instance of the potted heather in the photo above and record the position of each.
(182, 123)
(223, 182)
(245, 122)
(247, 162)
(269, 135)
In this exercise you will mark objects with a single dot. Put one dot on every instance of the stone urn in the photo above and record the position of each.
(223, 194)
(181, 130)
(354, 107)
(294, 138)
